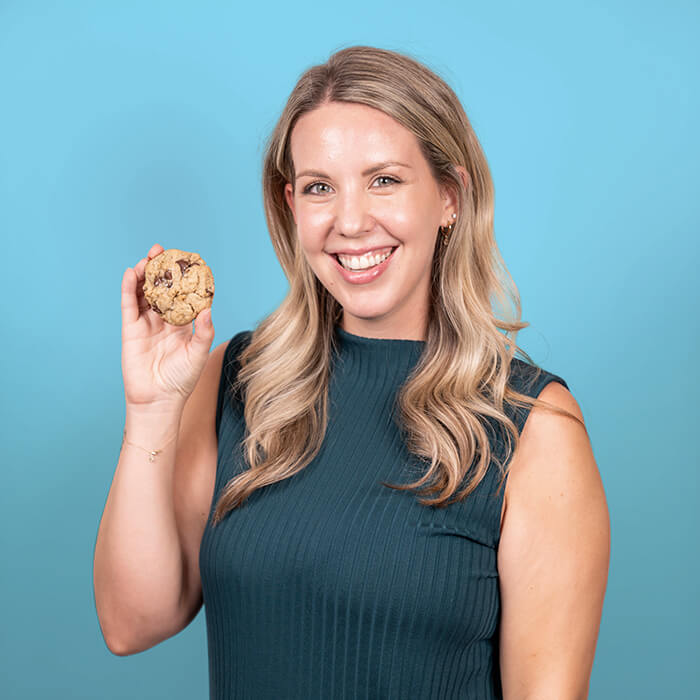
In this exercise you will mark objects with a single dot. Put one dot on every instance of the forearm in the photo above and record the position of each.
(551, 689)
(138, 568)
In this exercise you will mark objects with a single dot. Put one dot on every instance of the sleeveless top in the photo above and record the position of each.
(330, 585)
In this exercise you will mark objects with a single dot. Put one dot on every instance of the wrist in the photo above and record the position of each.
(152, 430)
(152, 453)
(157, 410)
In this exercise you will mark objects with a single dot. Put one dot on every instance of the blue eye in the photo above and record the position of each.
(309, 188)
(391, 180)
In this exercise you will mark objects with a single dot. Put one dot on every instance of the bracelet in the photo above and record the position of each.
(151, 453)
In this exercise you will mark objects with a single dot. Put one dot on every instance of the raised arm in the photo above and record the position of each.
(145, 568)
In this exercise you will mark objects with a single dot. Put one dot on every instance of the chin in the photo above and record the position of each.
(365, 314)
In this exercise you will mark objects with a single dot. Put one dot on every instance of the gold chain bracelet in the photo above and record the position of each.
(151, 453)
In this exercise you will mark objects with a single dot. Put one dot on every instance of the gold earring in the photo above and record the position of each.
(447, 230)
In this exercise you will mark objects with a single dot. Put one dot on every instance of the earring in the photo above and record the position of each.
(447, 230)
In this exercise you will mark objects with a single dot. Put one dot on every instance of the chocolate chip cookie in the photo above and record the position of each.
(178, 286)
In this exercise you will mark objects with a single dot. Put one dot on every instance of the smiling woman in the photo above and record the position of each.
(386, 378)
(369, 497)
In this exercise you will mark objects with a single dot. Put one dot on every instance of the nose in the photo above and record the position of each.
(352, 213)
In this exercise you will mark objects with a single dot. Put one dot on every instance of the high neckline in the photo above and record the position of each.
(363, 341)
(374, 361)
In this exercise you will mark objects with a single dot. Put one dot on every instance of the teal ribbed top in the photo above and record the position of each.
(329, 585)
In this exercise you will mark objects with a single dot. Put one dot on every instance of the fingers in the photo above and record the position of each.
(156, 249)
(133, 302)
(140, 267)
(130, 304)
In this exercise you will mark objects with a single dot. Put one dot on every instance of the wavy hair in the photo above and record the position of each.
(459, 385)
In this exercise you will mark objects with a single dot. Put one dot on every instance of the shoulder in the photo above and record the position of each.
(553, 449)
(530, 379)
(553, 480)
(556, 393)
(547, 434)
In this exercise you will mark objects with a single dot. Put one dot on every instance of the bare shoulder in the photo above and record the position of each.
(195, 473)
(552, 446)
(553, 554)
(543, 430)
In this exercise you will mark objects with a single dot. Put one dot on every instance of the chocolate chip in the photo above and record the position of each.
(154, 306)
(186, 265)
(209, 292)
(166, 279)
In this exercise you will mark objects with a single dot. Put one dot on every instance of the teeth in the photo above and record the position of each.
(364, 262)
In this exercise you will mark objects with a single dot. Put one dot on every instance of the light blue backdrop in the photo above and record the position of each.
(123, 124)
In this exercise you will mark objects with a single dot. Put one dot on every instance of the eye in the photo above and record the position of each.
(387, 180)
(309, 189)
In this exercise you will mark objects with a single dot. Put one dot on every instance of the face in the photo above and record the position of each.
(362, 185)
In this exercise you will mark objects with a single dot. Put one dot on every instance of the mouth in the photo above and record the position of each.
(365, 275)
(375, 261)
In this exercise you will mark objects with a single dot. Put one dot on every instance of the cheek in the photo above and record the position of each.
(409, 219)
(312, 227)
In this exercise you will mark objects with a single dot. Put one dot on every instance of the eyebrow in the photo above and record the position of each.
(365, 173)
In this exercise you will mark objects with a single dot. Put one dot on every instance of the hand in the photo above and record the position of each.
(161, 363)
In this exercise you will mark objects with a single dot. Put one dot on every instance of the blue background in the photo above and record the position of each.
(123, 124)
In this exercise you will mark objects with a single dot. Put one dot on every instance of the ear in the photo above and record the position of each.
(449, 196)
(289, 196)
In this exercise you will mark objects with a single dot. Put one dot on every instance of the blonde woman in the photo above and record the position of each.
(371, 495)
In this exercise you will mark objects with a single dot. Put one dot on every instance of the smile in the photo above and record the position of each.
(363, 262)
(365, 268)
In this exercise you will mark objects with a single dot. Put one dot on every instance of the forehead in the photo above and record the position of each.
(350, 133)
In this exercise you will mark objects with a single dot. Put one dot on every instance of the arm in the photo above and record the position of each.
(553, 558)
(146, 568)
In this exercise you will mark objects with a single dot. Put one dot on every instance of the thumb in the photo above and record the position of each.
(203, 332)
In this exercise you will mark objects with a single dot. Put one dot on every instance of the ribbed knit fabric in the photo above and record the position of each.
(329, 585)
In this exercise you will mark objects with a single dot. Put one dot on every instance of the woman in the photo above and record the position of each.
(332, 485)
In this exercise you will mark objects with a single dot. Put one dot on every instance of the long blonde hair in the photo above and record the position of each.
(460, 380)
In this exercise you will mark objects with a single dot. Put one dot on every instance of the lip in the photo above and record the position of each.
(362, 251)
(363, 276)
